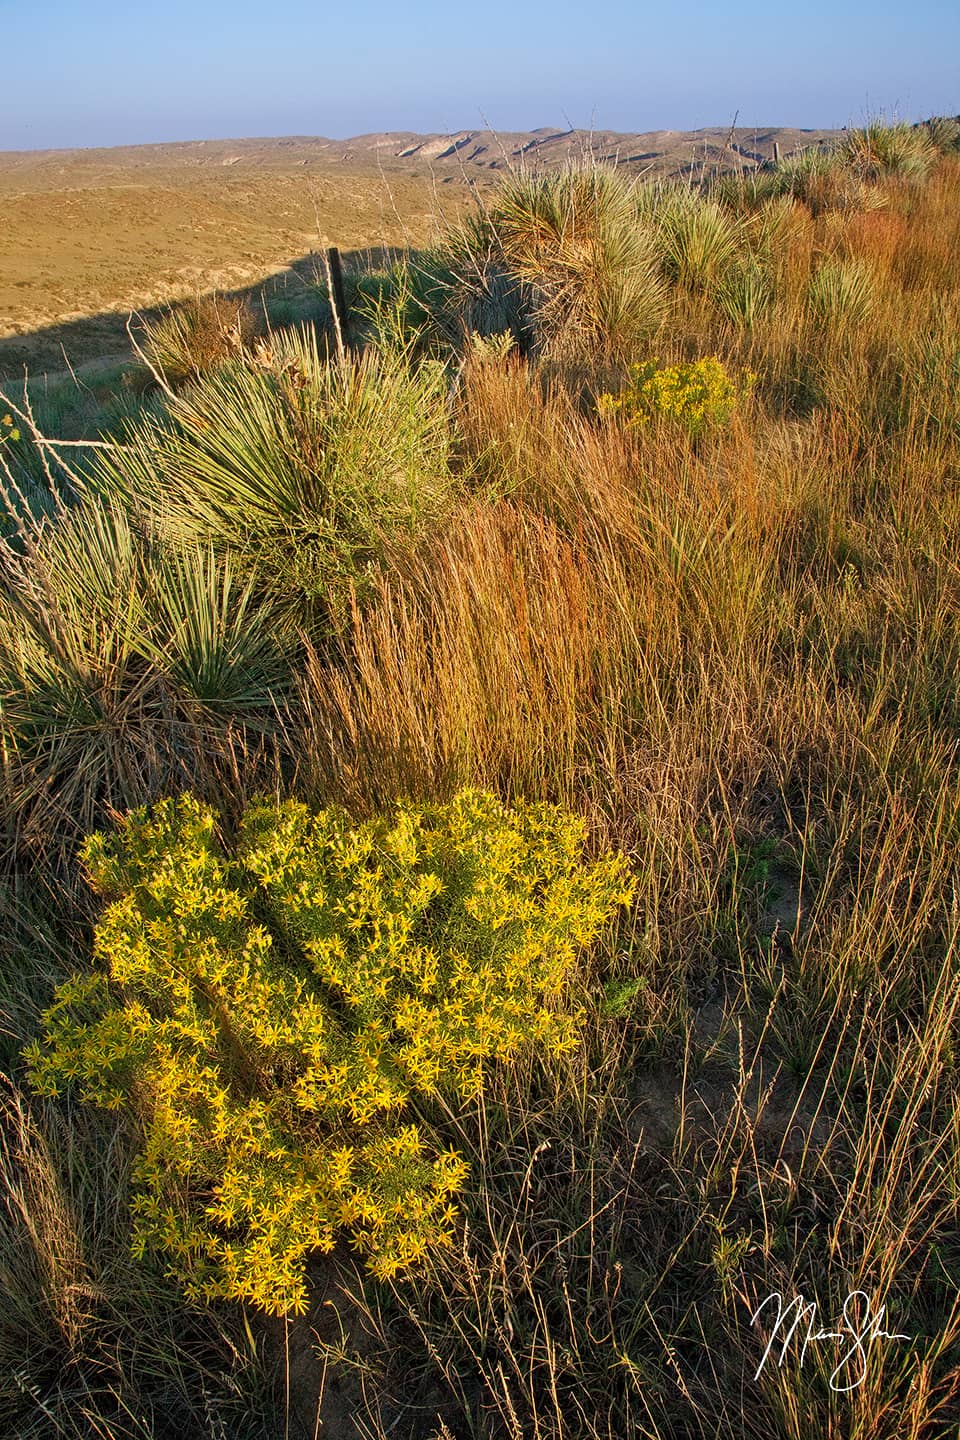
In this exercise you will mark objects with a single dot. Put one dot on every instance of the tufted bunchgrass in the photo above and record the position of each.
(190, 340)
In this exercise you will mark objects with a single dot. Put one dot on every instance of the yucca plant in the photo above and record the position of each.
(877, 150)
(774, 225)
(590, 267)
(700, 240)
(745, 295)
(306, 469)
(824, 180)
(73, 690)
(795, 172)
(743, 193)
(843, 293)
(125, 666)
(214, 639)
(943, 131)
(461, 287)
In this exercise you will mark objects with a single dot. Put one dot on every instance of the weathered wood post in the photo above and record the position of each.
(338, 299)
(776, 152)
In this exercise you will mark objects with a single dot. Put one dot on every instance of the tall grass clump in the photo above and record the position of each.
(93, 1344)
(196, 337)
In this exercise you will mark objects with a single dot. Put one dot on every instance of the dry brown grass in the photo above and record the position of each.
(713, 650)
(86, 244)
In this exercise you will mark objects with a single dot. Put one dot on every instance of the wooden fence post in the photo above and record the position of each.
(338, 299)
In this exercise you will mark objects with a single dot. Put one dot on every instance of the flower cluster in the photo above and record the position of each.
(696, 394)
(271, 1015)
(8, 431)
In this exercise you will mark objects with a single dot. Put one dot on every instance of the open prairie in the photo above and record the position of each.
(89, 235)
(88, 238)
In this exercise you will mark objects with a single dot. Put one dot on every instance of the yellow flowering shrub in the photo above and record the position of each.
(696, 394)
(270, 1014)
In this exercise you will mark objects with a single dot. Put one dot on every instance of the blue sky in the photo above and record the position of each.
(112, 72)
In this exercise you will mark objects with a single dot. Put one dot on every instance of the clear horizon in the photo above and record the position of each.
(102, 74)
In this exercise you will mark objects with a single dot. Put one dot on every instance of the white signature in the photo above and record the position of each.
(860, 1327)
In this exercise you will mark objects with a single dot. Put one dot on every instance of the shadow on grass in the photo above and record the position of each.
(99, 345)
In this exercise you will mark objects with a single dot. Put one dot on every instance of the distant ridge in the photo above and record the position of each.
(462, 154)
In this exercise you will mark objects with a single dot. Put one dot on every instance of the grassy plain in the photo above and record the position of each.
(89, 240)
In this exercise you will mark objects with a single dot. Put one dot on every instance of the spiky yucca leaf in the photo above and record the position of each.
(745, 294)
(210, 635)
(124, 667)
(877, 150)
(700, 240)
(943, 132)
(574, 238)
(843, 292)
(465, 286)
(306, 469)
